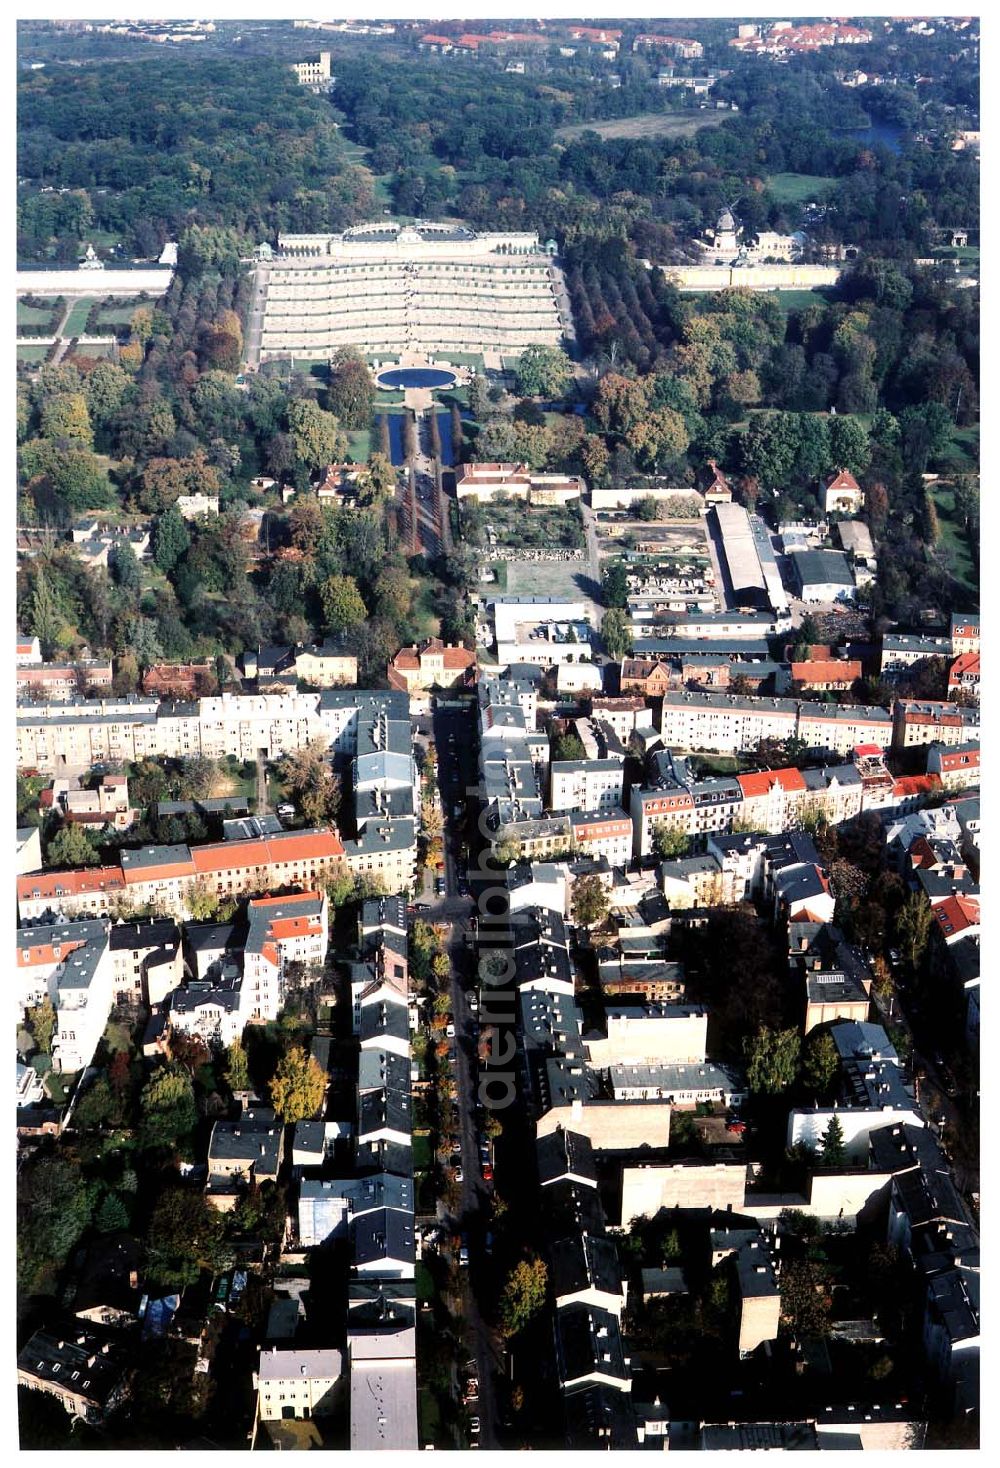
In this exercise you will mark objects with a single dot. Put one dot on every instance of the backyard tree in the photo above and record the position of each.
(523, 1295)
(772, 1058)
(615, 634)
(820, 1062)
(71, 847)
(834, 1151)
(589, 901)
(298, 1085)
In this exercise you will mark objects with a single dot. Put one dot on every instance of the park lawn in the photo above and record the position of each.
(797, 300)
(422, 1155)
(33, 353)
(499, 569)
(718, 764)
(797, 188)
(962, 456)
(384, 400)
(77, 318)
(314, 369)
(464, 359)
(425, 620)
(954, 541)
(118, 315)
(359, 445)
(35, 315)
(647, 125)
(89, 349)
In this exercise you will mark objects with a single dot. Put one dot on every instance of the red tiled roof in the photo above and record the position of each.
(914, 785)
(233, 855)
(956, 914)
(761, 783)
(827, 670)
(842, 479)
(966, 665)
(70, 884)
(40, 953)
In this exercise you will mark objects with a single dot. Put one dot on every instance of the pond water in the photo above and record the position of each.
(406, 377)
(886, 134)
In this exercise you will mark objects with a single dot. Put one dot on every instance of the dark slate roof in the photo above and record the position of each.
(384, 1020)
(133, 936)
(790, 848)
(572, 1207)
(383, 1070)
(588, 1261)
(206, 937)
(385, 1233)
(394, 1157)
(755, 1270)
(378, 1109)
(563, 1153)
(588, 1341)
(902, 1147)
(100, 1360)
(106, 1275)
(928, 1197)
(600, 1417)
(241, 1141)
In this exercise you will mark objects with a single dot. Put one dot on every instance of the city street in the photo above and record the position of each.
(456, 753)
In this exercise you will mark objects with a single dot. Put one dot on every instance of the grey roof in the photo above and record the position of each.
(585, 1262)
(310, 1136)
(712, 700)
(800, 882)
(87, 930)
(155, 856)
(383, 912)
(80, 966)
(822, 568)
(681, 868)
(251, 828)
(674, 647)
(953, 1299)
(667, 1080)
(855, 1038)
(551, 1022)
(928, 1196)
(365, 1194)
(833, 987)
(789, 849)
(600, 1417)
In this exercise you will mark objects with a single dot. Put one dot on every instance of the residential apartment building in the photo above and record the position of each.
(587, 784)
(956, 766)
(164, 876)
(933, 723)
(297, 1384)
(606, 833)
(58, 682)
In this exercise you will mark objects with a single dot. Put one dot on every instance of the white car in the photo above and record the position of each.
(450, 1032)
(474, 1426)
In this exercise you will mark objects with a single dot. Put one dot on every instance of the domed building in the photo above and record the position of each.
(726, 232)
